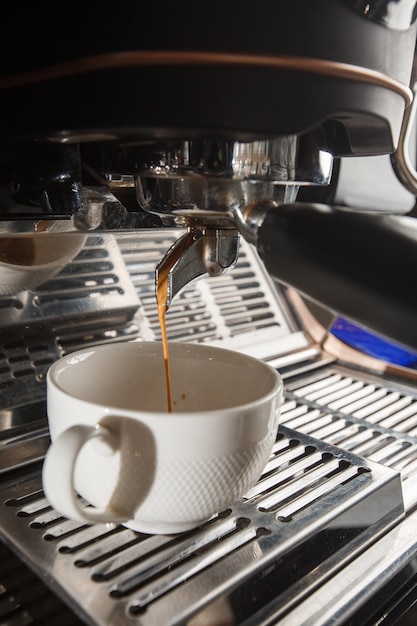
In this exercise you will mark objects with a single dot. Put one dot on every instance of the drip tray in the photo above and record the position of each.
(315, 508)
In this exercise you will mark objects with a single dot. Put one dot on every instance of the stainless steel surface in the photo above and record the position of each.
(199, 252)
(280, 160)
(315, 507)
(401, 159)
(62, 314)
(338, 490)
(336, 601)
(25, 599)
(360, 413)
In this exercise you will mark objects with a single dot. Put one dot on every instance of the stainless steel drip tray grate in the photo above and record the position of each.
(314, 509)
(361, 413)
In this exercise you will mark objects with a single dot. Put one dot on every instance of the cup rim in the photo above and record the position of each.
(276, 390)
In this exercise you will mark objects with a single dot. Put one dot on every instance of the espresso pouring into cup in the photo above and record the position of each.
(115, 444)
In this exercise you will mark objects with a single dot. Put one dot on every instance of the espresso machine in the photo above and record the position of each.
(122, 133)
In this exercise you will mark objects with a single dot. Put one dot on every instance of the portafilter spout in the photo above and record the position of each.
(202, 250)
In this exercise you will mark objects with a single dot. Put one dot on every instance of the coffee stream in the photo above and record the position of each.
(161, 298)
(162, 293)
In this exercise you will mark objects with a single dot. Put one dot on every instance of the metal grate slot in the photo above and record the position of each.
(294, 488)
(23, 367)
(243, 287)
(88, 291)
(361, 415)
(10, 303)
(377, 404)
(84, 338)
(179, 563)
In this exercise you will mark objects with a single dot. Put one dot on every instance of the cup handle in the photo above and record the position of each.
(58, 473)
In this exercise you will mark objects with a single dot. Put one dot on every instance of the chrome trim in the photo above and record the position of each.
(401, 159)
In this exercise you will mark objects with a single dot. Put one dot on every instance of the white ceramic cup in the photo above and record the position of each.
(115, 444)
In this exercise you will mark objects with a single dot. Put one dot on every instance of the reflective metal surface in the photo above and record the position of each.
(201, 251)
(331, 520)
(25, 599)
(314, 509)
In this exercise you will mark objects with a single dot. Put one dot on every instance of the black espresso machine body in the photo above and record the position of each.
(243, 107)
(122, 130)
